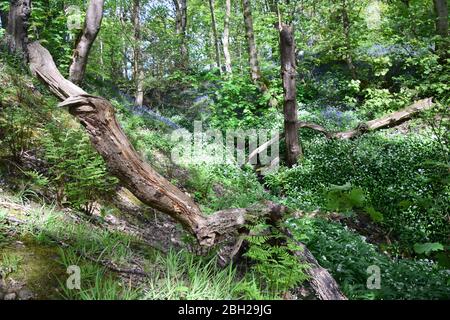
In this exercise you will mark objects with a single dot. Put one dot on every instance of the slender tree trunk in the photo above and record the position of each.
(348, 46)
(102, 62)
(92, 24)
(124, 62)
(226, 37)
(255, 71)
(181, 28)
(214, 29)
(17, 38)
(441, 9)
(138, 72)
(289, 73)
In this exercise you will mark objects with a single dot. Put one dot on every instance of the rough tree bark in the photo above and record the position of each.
(181, 28)
(17, 38)
(348, 46)
(97, 116)
(138, 72)
(255, 71)
(226, 37)
(214, 29)
(92, 23)
(441, 9)
(288, 74)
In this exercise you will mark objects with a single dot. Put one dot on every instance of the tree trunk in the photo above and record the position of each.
(388, 121)
(181, 28)
(138, 72)
(214, 29)
(226, 37)
(289, 73)
(348, 44)
(17, 29)
(441, 8)
(92, 24)
(255, 71)
(97, 116)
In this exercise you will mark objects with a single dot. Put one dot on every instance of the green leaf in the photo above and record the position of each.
(357, 197)
(344, 187)
(374, 214)
(427, 248)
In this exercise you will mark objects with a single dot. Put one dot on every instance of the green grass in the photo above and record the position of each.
(181, 275)
(95, 283)
(175, 275)
(9, 263)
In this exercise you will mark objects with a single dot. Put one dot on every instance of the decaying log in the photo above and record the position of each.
(323, 284)
(96, 114)
(321, 281)
(389, 121)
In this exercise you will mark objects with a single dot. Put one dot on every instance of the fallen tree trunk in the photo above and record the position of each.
(391, 120)
(96, 114)
(388, 121)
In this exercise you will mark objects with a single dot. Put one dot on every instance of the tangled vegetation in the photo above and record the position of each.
(381, 199)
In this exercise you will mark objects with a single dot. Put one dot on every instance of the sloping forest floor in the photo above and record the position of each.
(380, 200)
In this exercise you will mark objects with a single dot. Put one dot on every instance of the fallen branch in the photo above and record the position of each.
(323, 284)
(391, 120)
(388, 121)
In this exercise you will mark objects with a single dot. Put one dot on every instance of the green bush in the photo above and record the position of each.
(240, 104)
(77, 172)
(21, 121)
(399, 174)
(272, 260)
(218, 187)
(347, 255)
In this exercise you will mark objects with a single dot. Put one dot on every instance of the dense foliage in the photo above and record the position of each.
(381, 199)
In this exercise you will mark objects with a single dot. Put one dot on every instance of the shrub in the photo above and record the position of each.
(218, 187)
(347, 255)
(396, 172)
(76, 170)
(21, 121)
(272, 259)
(239, 104)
